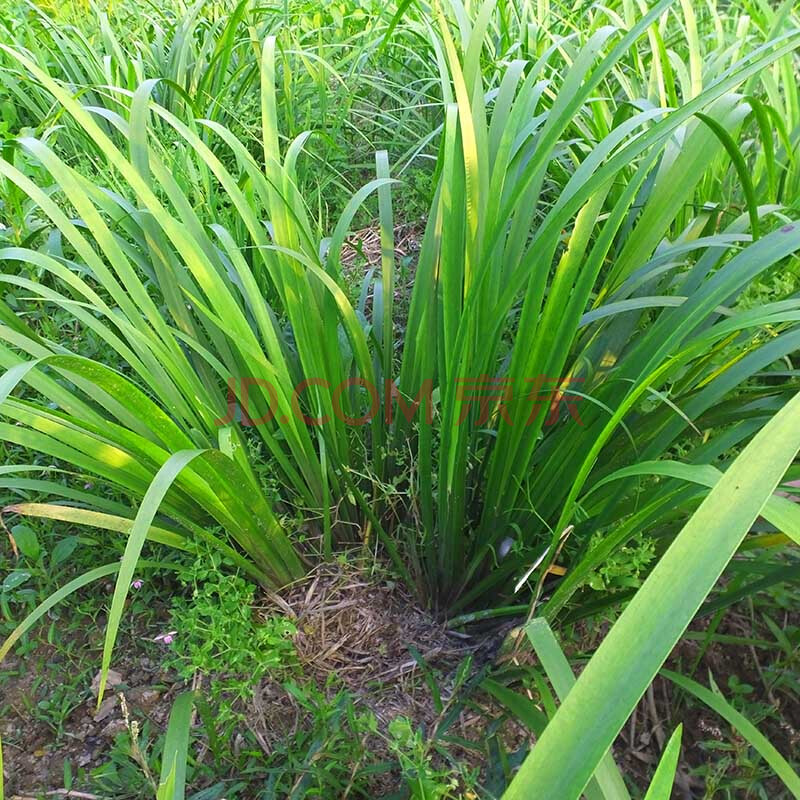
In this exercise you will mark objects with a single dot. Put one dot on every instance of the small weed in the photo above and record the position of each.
(217, 636)
(424, 781)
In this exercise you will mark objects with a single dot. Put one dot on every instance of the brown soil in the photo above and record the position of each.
(34, 755)
(349, 625)
(662, 708)
(360, 628)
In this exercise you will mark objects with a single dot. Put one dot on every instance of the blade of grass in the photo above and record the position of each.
(715, 701)
(65, 591)
(742, 169)
(144, 517)
(521, 707)
(563, 760)
(607, 781)
(172, 783)
(661, 786)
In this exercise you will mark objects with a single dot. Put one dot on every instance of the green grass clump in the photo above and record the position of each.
(602, 313)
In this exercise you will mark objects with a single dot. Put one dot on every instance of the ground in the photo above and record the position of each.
(395, 661)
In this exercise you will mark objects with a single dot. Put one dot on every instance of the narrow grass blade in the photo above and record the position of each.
(562, 762)
(715, 701)
(144, 518)
(95, 519)
(521, 707)
(741, 168)
(607, 781)
(172, 783)
(661, 786)
(65, 591)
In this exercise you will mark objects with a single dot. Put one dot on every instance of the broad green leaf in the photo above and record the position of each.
(27, 541)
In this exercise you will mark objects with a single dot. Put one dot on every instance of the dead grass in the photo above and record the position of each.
(360, 629)
(365, 244)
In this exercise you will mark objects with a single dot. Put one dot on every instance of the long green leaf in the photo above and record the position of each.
(607, 781)
(141, 525)
(176, 749)
(562, 762)
(661, 786)
(65, 591)
(715, 701)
